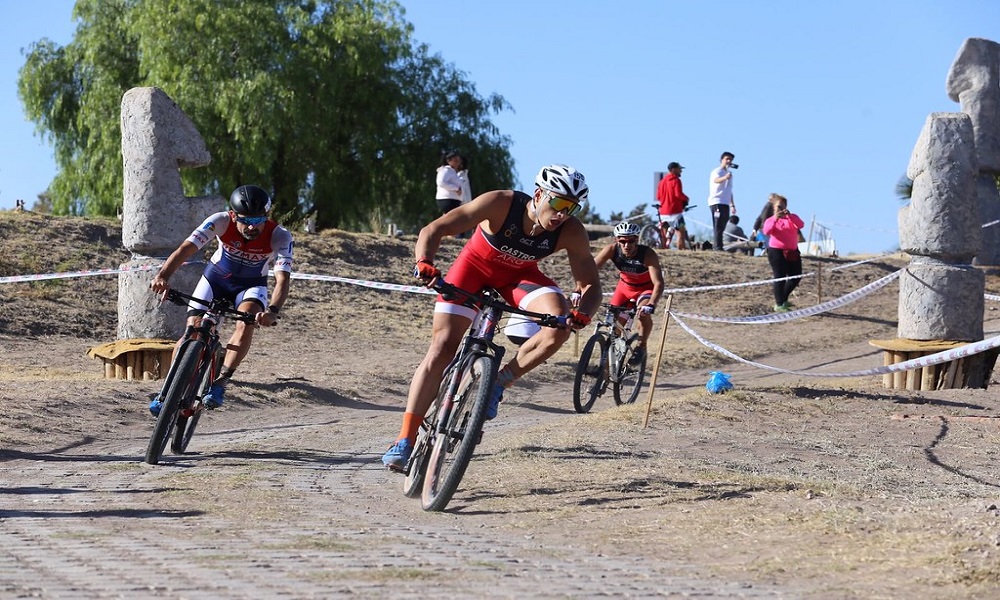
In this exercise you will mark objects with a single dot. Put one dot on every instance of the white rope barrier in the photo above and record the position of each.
(802, 312)
(923, 361)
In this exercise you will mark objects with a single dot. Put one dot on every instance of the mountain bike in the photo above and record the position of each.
(453, 425)
(194, 367)
(659, 234)
(607, 358)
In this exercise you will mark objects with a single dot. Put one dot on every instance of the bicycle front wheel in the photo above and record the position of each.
(651, 235)
(458, 432)
(187, 420)
(630, 376)
(183, 385)
(589, 382)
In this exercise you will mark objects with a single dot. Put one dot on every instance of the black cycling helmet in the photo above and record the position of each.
(250, 201)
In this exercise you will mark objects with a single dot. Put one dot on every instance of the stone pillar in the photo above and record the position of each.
(941, 296)
(158, 139)
(974, 82)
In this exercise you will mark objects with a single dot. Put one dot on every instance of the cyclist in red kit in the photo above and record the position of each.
(513, 231)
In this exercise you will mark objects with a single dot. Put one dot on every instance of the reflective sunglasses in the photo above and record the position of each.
(628, 240)
(564, 205)
(251, 220)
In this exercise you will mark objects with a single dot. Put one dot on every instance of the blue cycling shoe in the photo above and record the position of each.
(213, 399)
(395, 458)
(491, 410)
(155, 405)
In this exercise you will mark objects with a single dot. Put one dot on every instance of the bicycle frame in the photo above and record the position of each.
(618, 337)
(477, 342)
(453, 427)
(192, 371)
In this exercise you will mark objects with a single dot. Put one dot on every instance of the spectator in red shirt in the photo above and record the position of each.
(673, 201)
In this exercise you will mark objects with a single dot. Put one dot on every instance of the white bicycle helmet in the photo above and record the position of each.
(626, 229)
(563, 181)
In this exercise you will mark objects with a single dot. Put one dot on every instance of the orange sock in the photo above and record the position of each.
(411, 424)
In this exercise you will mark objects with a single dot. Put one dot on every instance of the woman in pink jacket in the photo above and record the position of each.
(783, 250)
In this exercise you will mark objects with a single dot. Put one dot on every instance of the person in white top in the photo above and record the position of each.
(720, 197)
(449, 184)
(463, 174)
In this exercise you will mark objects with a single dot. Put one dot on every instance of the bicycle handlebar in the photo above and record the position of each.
(446, 289)
(217, 305)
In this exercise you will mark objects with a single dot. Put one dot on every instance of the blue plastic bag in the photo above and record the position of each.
(718, 383)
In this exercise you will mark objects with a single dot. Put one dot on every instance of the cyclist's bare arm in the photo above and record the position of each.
(282, 281)
(177, 258)
(655, 274)
(491, 207)
(581, 262)
(605, 254)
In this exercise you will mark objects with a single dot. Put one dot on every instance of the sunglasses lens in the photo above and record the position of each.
(564, 205)
(251, 220)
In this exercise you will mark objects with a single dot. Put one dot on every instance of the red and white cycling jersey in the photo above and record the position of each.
(239, 258)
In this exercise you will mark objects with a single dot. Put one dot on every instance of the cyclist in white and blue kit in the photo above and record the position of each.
(249, 242)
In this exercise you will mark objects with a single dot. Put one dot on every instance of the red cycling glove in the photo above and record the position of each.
(425, 270)
(579, 318)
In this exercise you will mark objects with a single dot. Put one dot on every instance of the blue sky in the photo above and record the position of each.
(820, 102)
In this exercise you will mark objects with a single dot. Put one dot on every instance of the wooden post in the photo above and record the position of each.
(929, 376)
(165, 357)
(659, 359)
(913, 375)
(949, 376)
(886, 361)
(899, 377)
(819, 283)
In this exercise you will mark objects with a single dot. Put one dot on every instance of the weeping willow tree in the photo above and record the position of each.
(332, 105)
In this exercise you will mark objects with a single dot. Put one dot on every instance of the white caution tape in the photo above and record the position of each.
(802, 312)
(68, 275)
(98, 272)
(725, 286)
(923, 361)
(861, 262)
(393, 287)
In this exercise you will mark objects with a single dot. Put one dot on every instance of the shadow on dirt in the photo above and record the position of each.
(92, 514)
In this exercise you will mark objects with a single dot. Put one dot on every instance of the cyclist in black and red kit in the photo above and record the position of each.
(640, 279)
(513, 231)
(249, 242)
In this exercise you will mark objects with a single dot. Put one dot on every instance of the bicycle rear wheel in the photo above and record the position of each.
(456, 437)
(413, 483)
(183, 384)
(629, 380)
(651, 235)
(589, 382)
(183, 432)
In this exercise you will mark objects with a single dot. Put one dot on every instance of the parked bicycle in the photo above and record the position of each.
(607, 358)
(194, 367)
(454, 422)
(656, 233)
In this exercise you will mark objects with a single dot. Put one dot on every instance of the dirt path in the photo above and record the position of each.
(281, 501)
(284, 496)
(788, 486)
